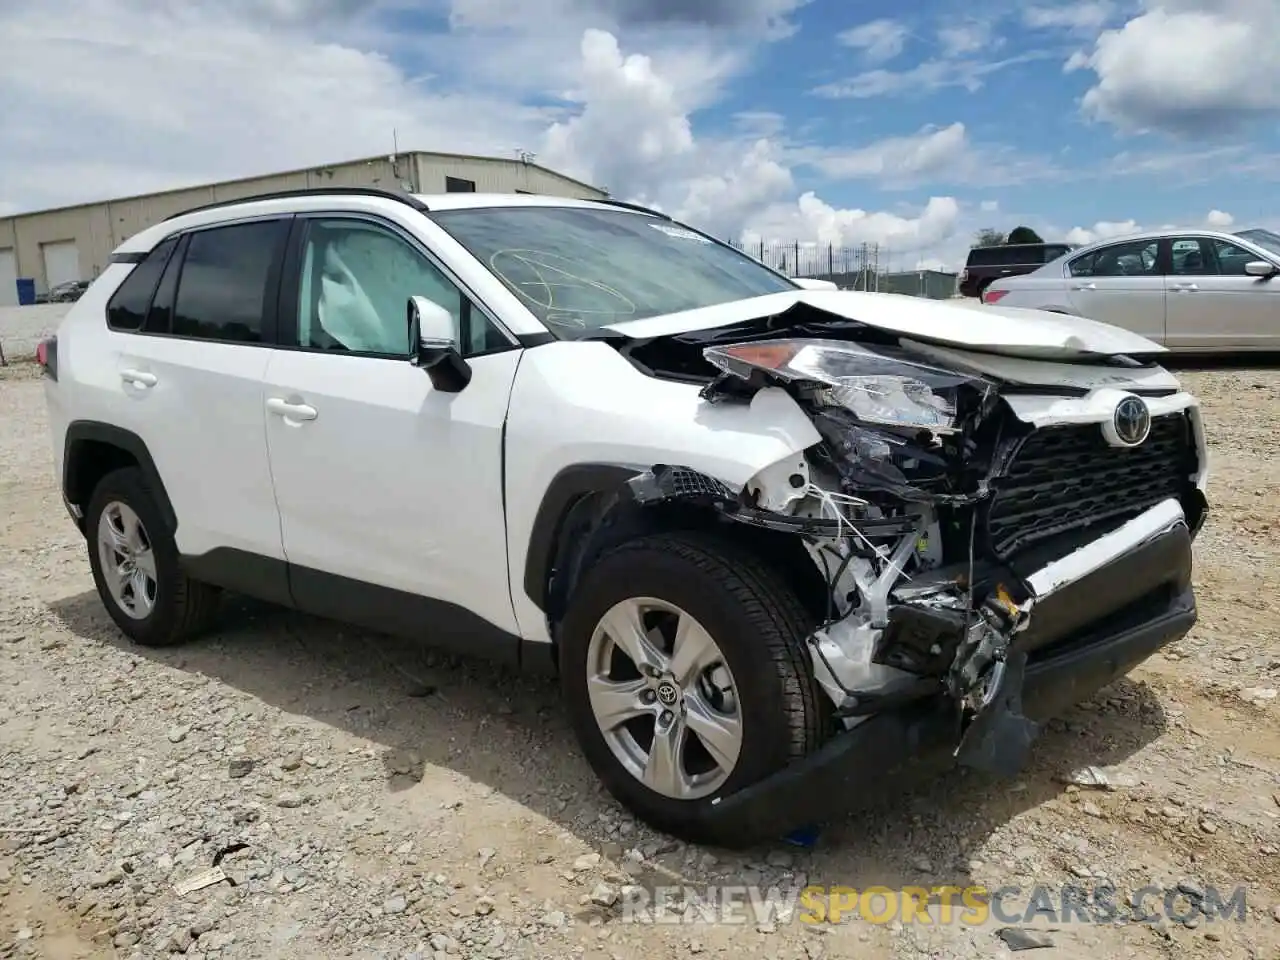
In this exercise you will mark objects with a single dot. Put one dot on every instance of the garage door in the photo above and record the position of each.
(61, 262)
(8, 278)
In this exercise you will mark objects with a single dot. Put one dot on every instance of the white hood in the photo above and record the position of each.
(1011, 331)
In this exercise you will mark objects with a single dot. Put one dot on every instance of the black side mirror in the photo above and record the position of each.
(433, 345)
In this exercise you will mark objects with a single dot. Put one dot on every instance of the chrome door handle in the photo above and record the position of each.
(138, 378)
(291, 411)
(1085, 286)
(1186, 287)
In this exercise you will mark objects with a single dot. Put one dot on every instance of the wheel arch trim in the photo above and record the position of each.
(566, 488)
(81, 433)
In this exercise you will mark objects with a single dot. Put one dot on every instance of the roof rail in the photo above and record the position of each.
(400, 196)
(639, 208)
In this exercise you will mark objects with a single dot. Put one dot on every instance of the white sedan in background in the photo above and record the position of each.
(1189, 290)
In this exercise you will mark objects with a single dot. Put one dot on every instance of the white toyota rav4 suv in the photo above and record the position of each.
(781, 543)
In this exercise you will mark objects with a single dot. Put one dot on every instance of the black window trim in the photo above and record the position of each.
(146, 311)
(271, 302)
(287, 299)
(176, 261)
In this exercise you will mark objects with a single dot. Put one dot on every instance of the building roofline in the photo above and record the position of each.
(296, 170)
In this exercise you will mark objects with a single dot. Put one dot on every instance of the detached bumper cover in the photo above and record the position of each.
(1100, 612)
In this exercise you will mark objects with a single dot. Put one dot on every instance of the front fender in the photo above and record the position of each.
(583, 419)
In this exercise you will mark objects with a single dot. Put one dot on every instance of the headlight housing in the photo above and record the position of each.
(873, 386)
(892, 424)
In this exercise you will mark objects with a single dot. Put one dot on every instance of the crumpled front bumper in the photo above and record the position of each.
(1099, 612)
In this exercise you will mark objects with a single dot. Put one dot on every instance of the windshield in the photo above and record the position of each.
(579, 269)
(1264, 238)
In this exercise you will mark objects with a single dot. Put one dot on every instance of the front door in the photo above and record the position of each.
(1212, 304)
(390, 491)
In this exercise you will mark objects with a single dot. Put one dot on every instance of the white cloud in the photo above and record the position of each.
(633, 134)
(925, 78)
(933, 155)
(1089, 16)
(877, 40)
(989, 206)
(919, 231)
(925, 153)
(111, 98)
(1106, 230)
(1102, 230)
(1187, 67)
(968, 37)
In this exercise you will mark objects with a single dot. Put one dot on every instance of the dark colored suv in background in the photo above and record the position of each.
(1006, 260)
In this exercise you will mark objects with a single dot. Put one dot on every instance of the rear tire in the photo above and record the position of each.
(135, 565)
(745, 708)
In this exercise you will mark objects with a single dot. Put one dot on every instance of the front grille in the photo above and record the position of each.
(1067, 478)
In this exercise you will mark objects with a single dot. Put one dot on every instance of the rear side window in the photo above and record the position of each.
(227, 275)
(984, 256)
(1052, 253)
(128, 306)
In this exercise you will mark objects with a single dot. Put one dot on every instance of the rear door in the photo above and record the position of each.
(1213, 304)
(192, 329)
(1121, 284)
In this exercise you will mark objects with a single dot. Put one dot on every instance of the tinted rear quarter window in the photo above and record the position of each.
(128, 306)
(226, 276)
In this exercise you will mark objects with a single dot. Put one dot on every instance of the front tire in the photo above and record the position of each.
(685, 674)
(135, 565)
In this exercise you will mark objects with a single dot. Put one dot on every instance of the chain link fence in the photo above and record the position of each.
(866, 266)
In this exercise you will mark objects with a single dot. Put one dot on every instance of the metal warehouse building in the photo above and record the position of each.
(50, 247)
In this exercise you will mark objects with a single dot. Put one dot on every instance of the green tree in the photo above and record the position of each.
(988, 237)
(1024, 235)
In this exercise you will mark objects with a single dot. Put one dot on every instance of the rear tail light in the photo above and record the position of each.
(993, 296)
(47, 356)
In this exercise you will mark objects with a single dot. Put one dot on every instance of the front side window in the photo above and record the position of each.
(578, 268)
(225, 280)
(354, 289)
(1231, 259)
(1137, 258)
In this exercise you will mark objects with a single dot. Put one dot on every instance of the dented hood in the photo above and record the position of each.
(991, 329)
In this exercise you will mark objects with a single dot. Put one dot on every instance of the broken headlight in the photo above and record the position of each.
(873, 386)
(891, 423)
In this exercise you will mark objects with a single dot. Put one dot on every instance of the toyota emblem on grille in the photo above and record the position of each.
(1130, 423)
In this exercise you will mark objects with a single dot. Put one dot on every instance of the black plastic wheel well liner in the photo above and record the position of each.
(567, 488)
(92, 450)
(584, 494)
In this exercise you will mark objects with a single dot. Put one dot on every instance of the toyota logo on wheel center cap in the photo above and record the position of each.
(1130, 423)
(667, 693)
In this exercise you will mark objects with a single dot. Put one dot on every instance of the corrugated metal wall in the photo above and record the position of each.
(99, 228)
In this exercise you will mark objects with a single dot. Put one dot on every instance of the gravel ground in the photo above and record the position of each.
(370, 799)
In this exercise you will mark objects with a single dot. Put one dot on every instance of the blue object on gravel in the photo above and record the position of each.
(804, 837)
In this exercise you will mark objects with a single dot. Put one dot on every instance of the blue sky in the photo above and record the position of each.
(817, 121)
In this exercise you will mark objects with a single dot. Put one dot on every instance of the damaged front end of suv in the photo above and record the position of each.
(992, 553)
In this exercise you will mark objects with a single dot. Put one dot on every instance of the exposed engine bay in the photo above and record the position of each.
(927, 509)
